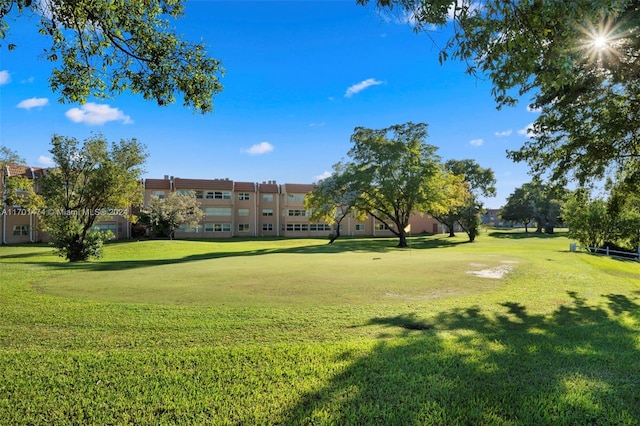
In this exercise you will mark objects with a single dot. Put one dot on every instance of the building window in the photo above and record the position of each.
(217, 211)
(198, 194)
(218, 195)
(243, 212)
(267, 227)
(217, 227)
(267, 197)
(297, 227)
(359, 226)
(243, 227)
(243, 196)
(382, 227)
(105, 227)
(267, 212)
(319, 227)
(299, 198)
(296, 212)
(20, 230)
(159, 194)
(186, 228)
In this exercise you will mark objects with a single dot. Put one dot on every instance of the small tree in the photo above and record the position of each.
(8, 156)
(588, 220)
(166, 214)
(86, 183)
(466, 210)
(331, 201)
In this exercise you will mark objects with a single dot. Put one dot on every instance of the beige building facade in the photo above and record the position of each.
(267, 209)
(231, 209)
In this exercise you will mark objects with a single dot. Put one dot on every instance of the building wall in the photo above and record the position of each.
(232, 209)
(247, 209)
(18, 225)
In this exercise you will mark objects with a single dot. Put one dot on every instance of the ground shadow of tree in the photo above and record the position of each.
(579, 365)
(522, 234)
(360, 245)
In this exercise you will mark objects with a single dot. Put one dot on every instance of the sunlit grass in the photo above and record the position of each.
(300, 332)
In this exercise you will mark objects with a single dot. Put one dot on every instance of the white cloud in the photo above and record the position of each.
(45, 161)
(323, 176)
(504, 133)
(316, 124)
(532, 109)
(33, 103)
(476, 142)
(260, 148)
(5, 78)
(527, 131)
(27, 80)
(359, 87)
(91, 113)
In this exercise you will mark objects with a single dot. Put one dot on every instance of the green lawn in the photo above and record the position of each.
(301, 332)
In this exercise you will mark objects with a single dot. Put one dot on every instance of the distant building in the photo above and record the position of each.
(231, 209)
(491, 217)
(267, 209)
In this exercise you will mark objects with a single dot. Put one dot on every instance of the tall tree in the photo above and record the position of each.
(105, 47)
(396, 174)
(480, 182)
(87, 182)
(538, 202)
(518, 209)
(166, 214)
(576, 61)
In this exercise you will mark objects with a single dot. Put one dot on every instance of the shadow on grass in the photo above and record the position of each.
(360, 245)
(578, 365)
(516, 235)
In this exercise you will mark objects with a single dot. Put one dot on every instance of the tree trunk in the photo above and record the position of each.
(335, 236)
(403, 238)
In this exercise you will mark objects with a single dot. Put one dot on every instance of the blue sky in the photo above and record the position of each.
(300, 76)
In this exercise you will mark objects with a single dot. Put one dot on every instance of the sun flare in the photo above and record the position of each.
(601, 42)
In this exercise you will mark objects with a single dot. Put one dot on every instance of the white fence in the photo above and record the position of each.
(607, 252)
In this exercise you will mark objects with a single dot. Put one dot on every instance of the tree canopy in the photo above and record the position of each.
(392, 173)
(576, 61)
(332, 200)
(536, 201)
(164, 215)
(106, 47)
(478, 181)
(88, 182)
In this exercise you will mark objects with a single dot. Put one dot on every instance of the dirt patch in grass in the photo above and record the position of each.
(496, 272)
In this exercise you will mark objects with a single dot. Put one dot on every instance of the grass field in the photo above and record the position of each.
(513, 329)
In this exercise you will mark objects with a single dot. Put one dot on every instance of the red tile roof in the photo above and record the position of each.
(21, 170)
(297, 188)
(268, 188)
(157, 184)
(244, 186)
(225, 184)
